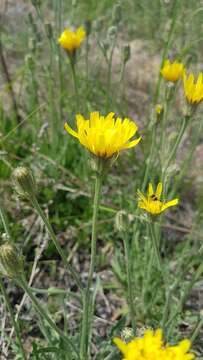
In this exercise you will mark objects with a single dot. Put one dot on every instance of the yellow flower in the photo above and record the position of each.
(193, 91)
(151, 347)
(152, 203)
(172, 71)
(104, 136)
(71, 40)
(159, 108)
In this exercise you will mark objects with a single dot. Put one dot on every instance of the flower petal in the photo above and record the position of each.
(70, 130)
(159, 190)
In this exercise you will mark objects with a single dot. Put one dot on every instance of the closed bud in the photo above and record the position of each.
(11, 263)
(29, 62)
(117, 14)
(112, 32)
(126, 53)
(24, 182)
(121, 221)
(32, 44)
(105, 45)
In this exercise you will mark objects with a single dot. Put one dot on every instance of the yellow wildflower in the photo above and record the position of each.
(193, 91)
(172, 71)
(159, 108)
(151, 346)
(71, 40)
(104, 136)
(152, 203)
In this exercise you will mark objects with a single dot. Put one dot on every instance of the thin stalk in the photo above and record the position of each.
(87, 311)
(166, 47)
(14, 322)
(75, 82)
(59, 12)
(129, 279)
(109, 73)
(23, 284)
(197, 329)
(175, 146)
(53, 237)
(187, 160)
(5, 221)
(9, 82)
(155, 245)
(147, 167)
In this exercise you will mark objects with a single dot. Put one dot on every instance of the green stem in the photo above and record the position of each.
(129, 280)
(197, 329)
(166, 47)
(50, 231)
(86, 320)
(5, 221)
(14, 322)
(175, 146)
(23, 283)
(72, 64)
(155, 245)
(147, 167)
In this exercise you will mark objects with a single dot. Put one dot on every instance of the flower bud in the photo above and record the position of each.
(11, 264)
(121, 221)
(117, 14)
(112, 32)
(159, 109)
(29, 62)
(24, 182)
(126, 53)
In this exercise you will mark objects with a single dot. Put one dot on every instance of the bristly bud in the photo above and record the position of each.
(24, 182)
(29, 62)
(112, 32)
(11, 263)
(121, 221)
(117, 14)
(88, 27)
(126, 53)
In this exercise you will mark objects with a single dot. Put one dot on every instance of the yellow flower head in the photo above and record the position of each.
(172, 71)
(71, 40)
(104, 136)
(152, 203)
(151, 347)
(159, 108)
(193, 91)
